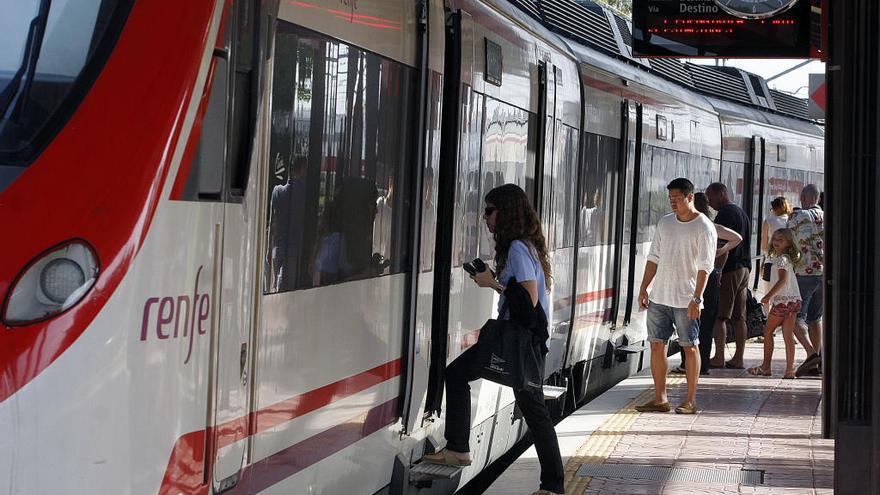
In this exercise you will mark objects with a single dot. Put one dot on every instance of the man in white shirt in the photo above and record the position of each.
(682, 255)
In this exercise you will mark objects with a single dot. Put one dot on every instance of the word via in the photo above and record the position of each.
(177, 317)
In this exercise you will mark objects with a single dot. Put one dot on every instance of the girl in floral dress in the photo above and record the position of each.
(784, 299)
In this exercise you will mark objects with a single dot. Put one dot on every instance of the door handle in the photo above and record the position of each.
(243, 363)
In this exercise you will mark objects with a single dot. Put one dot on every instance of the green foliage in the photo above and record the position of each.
(622, 6)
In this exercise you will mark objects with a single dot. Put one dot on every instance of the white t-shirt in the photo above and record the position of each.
(680, 250)
(774, 223)
(790, 291)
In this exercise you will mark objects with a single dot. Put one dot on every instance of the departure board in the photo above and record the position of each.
(709, 28)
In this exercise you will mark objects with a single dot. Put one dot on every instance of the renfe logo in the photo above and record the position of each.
(167, 310)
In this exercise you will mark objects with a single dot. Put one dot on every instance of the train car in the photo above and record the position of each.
(239, 228)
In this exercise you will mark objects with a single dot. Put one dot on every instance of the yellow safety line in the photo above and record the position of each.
(601, 443)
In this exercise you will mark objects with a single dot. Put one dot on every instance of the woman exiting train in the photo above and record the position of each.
(521, 254)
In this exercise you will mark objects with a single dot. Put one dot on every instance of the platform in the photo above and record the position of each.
(752, 435)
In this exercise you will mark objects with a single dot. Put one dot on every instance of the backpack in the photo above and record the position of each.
(756, 316)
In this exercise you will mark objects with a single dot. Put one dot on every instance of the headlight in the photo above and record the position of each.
(51, 284)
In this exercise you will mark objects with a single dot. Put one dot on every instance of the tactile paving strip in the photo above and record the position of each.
(602, 442)
(659, 473)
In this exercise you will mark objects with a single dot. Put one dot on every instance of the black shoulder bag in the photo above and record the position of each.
(511, 354)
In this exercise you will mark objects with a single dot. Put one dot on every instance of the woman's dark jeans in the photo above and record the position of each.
(458, 418)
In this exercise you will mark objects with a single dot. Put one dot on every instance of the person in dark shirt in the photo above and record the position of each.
(734, 278)
(286, 210)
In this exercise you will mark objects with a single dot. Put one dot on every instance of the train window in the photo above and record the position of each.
(205, 178)
(733, 176)
(509, 142)
(663, 169)
(564, 186)
(341, 151)
(52, 54)
(599, 172)
(470, 203)
(429, 178)
(645, 230)
(244, 96)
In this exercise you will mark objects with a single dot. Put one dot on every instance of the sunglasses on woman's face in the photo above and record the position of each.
(490, 210)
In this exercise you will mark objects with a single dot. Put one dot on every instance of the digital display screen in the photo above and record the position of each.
(701, 28)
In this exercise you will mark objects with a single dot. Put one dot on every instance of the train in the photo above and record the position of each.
(236, 228)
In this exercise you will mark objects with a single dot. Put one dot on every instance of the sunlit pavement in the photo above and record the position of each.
(744, 423)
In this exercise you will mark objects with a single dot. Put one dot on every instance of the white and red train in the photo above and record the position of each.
(235, 229)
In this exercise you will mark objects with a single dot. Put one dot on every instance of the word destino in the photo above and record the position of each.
(690, 7)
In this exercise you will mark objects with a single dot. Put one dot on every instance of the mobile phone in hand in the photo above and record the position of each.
(478, 265)
(469, 267)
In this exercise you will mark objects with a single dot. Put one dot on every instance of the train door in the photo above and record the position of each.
(417, 341)
(759, 204)
(625, 294)
(550, 189)
(236, 248)
(546, 139)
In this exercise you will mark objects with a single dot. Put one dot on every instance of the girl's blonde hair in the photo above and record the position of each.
(781, 204)
(793, 253)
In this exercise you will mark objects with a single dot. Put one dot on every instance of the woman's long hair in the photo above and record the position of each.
(517, 220)
(793, 253)
(781, 204)
(701, 203)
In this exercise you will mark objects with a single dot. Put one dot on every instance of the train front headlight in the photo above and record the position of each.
(51, 284)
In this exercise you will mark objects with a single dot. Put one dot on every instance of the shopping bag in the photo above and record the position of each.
(510, 355)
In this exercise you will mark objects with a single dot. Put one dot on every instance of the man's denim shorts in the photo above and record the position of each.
(812, 289)
(663, 320)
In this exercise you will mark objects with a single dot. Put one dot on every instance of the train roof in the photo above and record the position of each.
(588, 23)
(628, 72)
(727, 109)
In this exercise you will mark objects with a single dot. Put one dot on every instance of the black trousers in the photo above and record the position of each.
(707, 322)
(458, 418)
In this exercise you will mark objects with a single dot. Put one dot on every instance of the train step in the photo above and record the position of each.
(553, 393)
(630, 349)
(425, 471)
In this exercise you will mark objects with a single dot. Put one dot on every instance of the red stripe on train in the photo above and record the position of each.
(100, 178)
(185, 471)
(470, 338)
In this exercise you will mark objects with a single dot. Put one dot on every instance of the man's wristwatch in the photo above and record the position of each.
(698, 300)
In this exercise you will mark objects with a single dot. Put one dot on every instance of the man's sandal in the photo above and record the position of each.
(686, 408)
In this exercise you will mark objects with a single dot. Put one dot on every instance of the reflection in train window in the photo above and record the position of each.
(561, 235)
(469, 204)
(509, 142)
(340, 154)
(732, 176)
(599, 171)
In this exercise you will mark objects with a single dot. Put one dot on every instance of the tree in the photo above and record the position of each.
(622, 6)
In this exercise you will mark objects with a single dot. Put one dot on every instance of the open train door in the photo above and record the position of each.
(627, 269)
(757, 178)
(231, 121)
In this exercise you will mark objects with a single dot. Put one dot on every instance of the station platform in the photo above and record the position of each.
(751, 435)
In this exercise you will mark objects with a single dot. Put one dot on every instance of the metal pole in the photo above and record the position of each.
(852, 351)
(786, 71)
